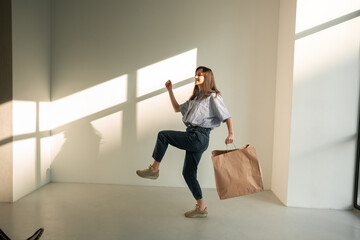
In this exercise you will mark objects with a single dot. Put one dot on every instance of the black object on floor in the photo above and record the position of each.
(36, 235)
(3, 236)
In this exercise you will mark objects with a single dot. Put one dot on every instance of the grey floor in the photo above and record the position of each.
(94, 211)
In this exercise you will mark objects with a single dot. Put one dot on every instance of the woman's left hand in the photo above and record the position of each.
(229, 139)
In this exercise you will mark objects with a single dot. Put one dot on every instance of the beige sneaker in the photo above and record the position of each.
(148, 173)
(196, 213)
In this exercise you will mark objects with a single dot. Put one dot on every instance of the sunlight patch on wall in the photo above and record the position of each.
(325, 77)
(89, 101)
(24, 117)
(44, 116)
(310, 13)
(24, 166)
(5, 121)
(319, 52)
(110, 129)
(177, 68)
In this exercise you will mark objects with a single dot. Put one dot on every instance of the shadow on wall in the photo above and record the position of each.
(75, 152)
(96, 42)
(87, 136)
(97, 130)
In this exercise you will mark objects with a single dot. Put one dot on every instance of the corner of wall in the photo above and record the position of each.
(6, 186)
(283, 99)
(30, 94)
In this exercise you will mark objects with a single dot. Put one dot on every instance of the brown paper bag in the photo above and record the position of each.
(237, 172)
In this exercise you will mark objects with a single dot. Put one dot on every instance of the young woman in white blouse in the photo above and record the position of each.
(204, 111)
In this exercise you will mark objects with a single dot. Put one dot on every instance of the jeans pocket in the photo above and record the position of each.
(202, 141)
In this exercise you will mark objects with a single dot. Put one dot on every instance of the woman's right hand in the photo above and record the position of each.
(174, 103)
(168, 85)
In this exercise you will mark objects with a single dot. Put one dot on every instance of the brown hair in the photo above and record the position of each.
(209, 85)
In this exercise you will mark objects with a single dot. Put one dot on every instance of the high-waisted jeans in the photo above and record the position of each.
(194, 141)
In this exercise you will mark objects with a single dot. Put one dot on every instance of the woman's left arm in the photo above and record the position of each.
(230, 138)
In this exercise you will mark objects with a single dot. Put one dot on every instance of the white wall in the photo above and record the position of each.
(325, 106)
(31, 91)
(105, 129)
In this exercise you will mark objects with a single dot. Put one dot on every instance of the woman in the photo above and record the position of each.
(204, 111)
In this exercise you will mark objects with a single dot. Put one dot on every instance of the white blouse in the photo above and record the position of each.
(207, 113)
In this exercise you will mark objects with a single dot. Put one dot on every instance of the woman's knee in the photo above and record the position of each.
(162, 135)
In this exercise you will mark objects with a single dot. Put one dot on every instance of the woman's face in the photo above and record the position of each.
(199, 77)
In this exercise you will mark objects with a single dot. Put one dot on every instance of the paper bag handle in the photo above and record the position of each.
(227, 149)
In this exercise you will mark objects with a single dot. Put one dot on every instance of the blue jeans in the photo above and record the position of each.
(194, 141)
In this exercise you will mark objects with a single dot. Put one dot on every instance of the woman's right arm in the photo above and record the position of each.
(174, 103)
